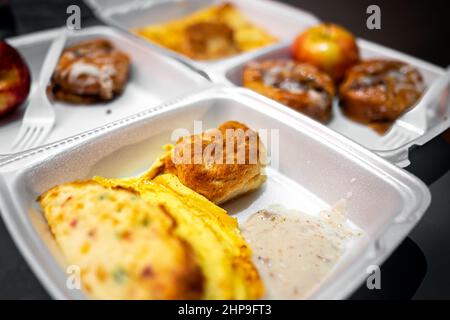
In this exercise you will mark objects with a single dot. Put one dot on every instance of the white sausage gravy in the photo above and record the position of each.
(294, 251)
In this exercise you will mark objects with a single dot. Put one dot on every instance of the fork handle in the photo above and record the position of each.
(51, 60)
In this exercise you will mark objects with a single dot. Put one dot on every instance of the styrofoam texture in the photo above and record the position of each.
(316, 168)
(280, 20)
(424, 122)
(153, 79)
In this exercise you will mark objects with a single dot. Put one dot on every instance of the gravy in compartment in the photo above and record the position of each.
(294, 251)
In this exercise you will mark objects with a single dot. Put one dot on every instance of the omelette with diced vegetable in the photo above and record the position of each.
(125, 247)
(215, 32)
(150, 239)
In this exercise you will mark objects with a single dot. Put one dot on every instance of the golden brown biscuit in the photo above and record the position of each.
(300, 86)
(125, 247)
(89, 72)
(377, 91)
(219, 175)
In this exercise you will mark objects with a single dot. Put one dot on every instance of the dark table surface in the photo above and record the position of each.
(419, 267)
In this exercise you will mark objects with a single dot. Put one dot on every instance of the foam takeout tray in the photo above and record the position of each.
(316, 167)
(312, 169)
(280, 20)
(426, 121)
(429, 118)
(153, 79)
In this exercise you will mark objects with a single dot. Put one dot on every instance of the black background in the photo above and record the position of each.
(420, 266)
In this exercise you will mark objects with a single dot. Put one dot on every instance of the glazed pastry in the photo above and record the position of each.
(379, 91)
(89, 72)
(300, 86)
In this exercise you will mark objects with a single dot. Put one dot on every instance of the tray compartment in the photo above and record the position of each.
(280, 20)
(153, 79)
(315, 169)
(423, 123)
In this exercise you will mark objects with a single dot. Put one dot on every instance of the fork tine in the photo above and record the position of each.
(23, 138)
(44, 133)
(29, 134)
(32, 141)
(19, 138)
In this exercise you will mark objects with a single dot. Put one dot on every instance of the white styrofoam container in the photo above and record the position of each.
(280, 20)
(429, 118)
(426, 121)
(153, 79)
(316, 168)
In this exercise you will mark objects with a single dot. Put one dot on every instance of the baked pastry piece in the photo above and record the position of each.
(125, 247)
(217, 31)
(218, 164)
(89, 72)
(379, 91)
(300, 86)
(219, 176)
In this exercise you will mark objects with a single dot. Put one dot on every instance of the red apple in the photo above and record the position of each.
(329, 47)
(14, 79)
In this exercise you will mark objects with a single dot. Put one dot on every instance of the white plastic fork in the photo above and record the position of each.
(402, 131)
(40, 117)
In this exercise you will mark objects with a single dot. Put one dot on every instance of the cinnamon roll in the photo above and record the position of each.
(380, 91)
(300, 86)
(89, 72)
